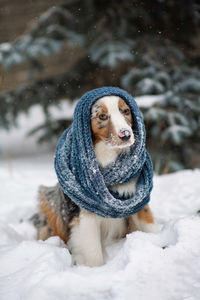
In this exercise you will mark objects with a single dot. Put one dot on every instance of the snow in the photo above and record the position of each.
(148, 101)
(143, 266)
(176, 133)
(111, 52)
(150, 86)
(5, 47)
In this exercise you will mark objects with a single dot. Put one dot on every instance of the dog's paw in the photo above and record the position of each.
(89, 262)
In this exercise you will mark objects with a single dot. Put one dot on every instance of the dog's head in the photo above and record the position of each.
(112, 122)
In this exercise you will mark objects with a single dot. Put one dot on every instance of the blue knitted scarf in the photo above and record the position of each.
(79, 175)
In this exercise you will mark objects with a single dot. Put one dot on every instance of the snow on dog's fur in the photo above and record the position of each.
(87, 234)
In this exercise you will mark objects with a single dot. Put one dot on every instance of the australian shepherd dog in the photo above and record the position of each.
(84, 233)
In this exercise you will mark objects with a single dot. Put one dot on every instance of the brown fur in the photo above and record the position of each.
(145, 215)
(55, 221)
(122, 107)
(101, 130)
(44, 232)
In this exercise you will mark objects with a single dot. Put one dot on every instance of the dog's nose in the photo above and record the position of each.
(124, 134)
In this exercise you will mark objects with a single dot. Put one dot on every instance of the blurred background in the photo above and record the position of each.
(51, 52)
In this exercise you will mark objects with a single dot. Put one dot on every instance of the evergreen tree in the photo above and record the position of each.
(144, 47)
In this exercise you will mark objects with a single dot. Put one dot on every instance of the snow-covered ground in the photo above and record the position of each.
(136, 268)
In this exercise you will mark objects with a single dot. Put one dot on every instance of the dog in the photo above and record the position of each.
(85, 233)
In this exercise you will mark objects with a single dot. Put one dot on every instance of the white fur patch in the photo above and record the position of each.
(91, 234)
(85, 241)
(105, 154)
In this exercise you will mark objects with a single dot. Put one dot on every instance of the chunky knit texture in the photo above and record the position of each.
(78, 172)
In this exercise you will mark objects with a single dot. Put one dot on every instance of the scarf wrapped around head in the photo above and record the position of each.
(79, 175)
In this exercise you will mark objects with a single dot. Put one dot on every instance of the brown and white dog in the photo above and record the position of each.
(87, 234)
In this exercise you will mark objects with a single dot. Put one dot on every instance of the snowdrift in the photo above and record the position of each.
(162, 266)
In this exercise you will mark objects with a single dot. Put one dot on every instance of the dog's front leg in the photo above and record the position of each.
(85, 240)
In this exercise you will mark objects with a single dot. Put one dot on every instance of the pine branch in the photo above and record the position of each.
(90, 23)
(72, 84)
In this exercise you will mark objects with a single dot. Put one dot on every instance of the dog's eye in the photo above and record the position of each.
(103, 117)
(126, 111)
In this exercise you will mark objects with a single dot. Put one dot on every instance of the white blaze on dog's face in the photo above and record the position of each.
(111, 122)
